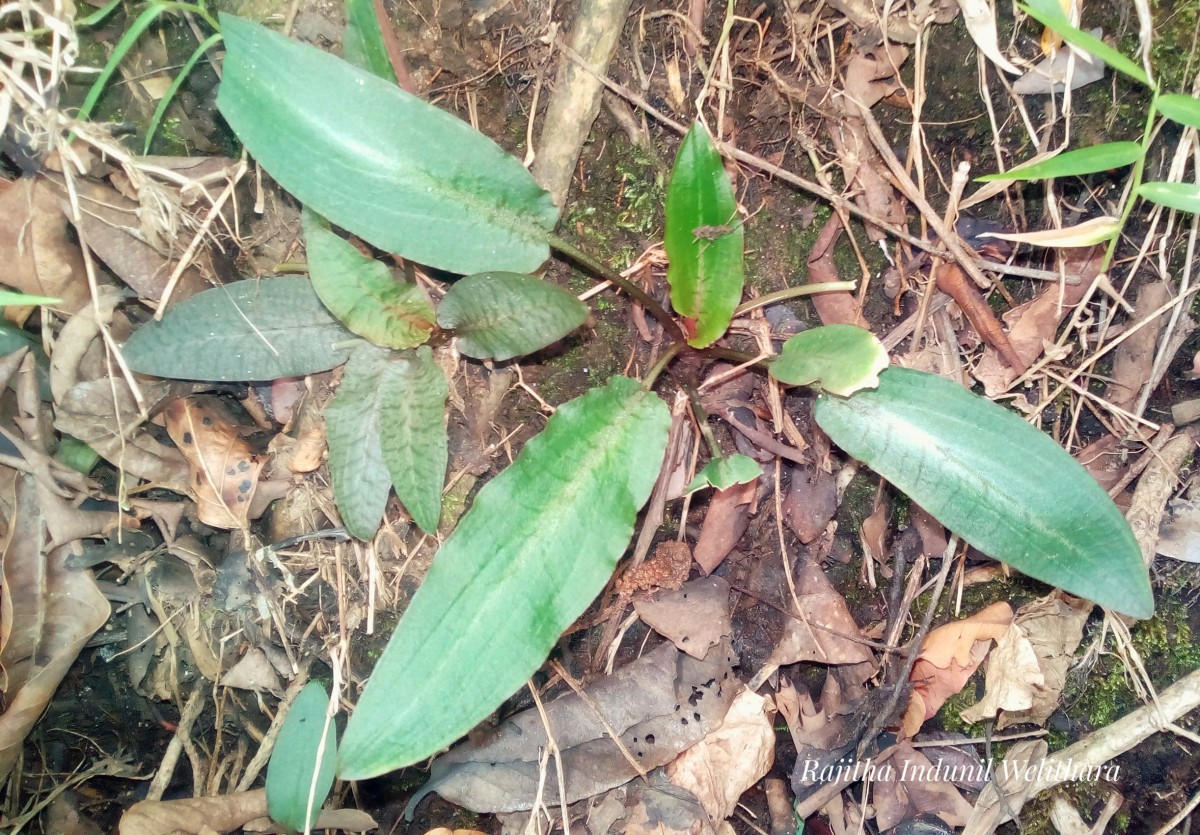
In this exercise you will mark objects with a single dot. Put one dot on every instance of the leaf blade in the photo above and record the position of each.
(290, 772)
(1050, 13)
(1180, 108)
(361, 481)
(378, 162)
(1001, 484)
(413, 439)
(1074, 163)
(842, 358)
(1184, 197)
(512, 576)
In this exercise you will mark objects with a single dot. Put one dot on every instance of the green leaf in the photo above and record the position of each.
(11, 297)
(703, 240)
(362, 292)
(1182, 196)
(383, 165)
(538, 545)
(723, 473)
(77, 455)
(248, 330)
(412, 397)
(1050, 13)
(1180, 108)
(356, 466)
(300, 767)
(363, 44)
(996, 481)
(134, 31)
(504, 315)
(842, 358)
(1075, 163)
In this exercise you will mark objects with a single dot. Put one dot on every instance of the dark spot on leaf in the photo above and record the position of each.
(684, 721)
(685, 639)
(243, 465)
(199, 479)
(696, 716)
(639, 753)
(231, 471)
(650, 739)
(245, 485)
(187, 438)
(207, 421)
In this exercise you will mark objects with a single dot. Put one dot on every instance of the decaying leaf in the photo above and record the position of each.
(224, 813)
(35, 244)
(693, 617)
(908, 784)
(727, 519)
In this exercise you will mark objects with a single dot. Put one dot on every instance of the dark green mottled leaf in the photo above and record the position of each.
(412, 396)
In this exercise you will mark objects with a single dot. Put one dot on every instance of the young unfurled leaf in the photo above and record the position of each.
(301, 768)
(841, 358)
(362, 292)
(1090, 232)
(378, 162)
(539, 543)
(1184, 197)
(1074, 163)
(703, 240)
(999, 483)
(723, 473)
(248, 330)
(499, 315)
(1180, 108)
(1050, 13)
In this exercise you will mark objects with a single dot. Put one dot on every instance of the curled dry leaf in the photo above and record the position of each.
(224, 472)
(727, 518)
(35, 245)
(907, 784)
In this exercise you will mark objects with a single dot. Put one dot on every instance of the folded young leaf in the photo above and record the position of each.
(378, 162)
(248, 330)
(539, 543)
(723, 473)
(999, 483)
(1074, 163)
(703, 240)
(499, 315)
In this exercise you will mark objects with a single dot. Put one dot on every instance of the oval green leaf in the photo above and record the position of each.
(703, 240)
(1180, 108)
(1075, 163)
(500, 315)
(412, 397)
(248, 330)
(996, 481)
(723, 473)
(1184, 197)
(537, 546)
(302, 763)
(842, 358)
(1050, 13)
(362, 292)
(378, 162)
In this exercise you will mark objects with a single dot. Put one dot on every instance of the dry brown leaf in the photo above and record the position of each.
(841, 307)
(907, 785)
(727, 518)
(225, 813)
(693, 617)
(224, 472)
(873, 533)
(1103, 458)
(731, 759)
(1133, 359)
(811, 501)
(36, 249)
(1013, 675)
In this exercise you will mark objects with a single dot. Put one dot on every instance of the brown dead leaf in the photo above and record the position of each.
(952, 281)
(731, 759)
(1133, 359)
(811, 501)
(1103, 458)
(933, 534)
(727, 518)
(839, 308)
(907, 784)
(224, 472)
(693, 617)
(36, 247)
(642, 807)
(1013, 675)
(873, 533)
(226, 813)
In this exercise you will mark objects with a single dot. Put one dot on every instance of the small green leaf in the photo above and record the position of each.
(842, 358)
(412, 399)
(1075, 163)
(723, 473)
(703, 240)
(380, 163)
(996, 481)
(356, 466)
(248, 330)
(77, 455)
(1180, 108)
(537, 546)
(11, 297)
(504, 315)
(362, 44)
(1050, 13)
(362, 291)
(1184, 197)
(302, 763)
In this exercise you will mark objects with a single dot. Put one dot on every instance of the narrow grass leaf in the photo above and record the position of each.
(301, 767)
(841, 358)
(703, 240)
(362, 291)
(537, 546)
(363, 44)
(378, 162)
(500, 315)
(1050, 13)
(412, 397)
(169, 96)
(353, 422)
(1184, 197)
(1180, 108)
(999, 483)
(1089, 232)
(140, 24)
(1074, 163)
(248, 330)
(12, 297)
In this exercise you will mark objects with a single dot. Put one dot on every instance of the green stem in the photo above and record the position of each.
(702, 421)
(793, 292)
(672, 351)
(595, 266)
(1135, 180)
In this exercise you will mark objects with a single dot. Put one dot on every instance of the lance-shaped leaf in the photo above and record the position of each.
(412, 398)
(1050, 13)
(1089, 232)
(363, 44)
(362, 292)
(248, 330)
(1074, 163)
(300, 773)
(996, 481)
(703, 240)
(842, 358)
(378, 162)
(539, 543)
(499, 315)
(1184, 197)
(352, 420)
(1180, 108)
